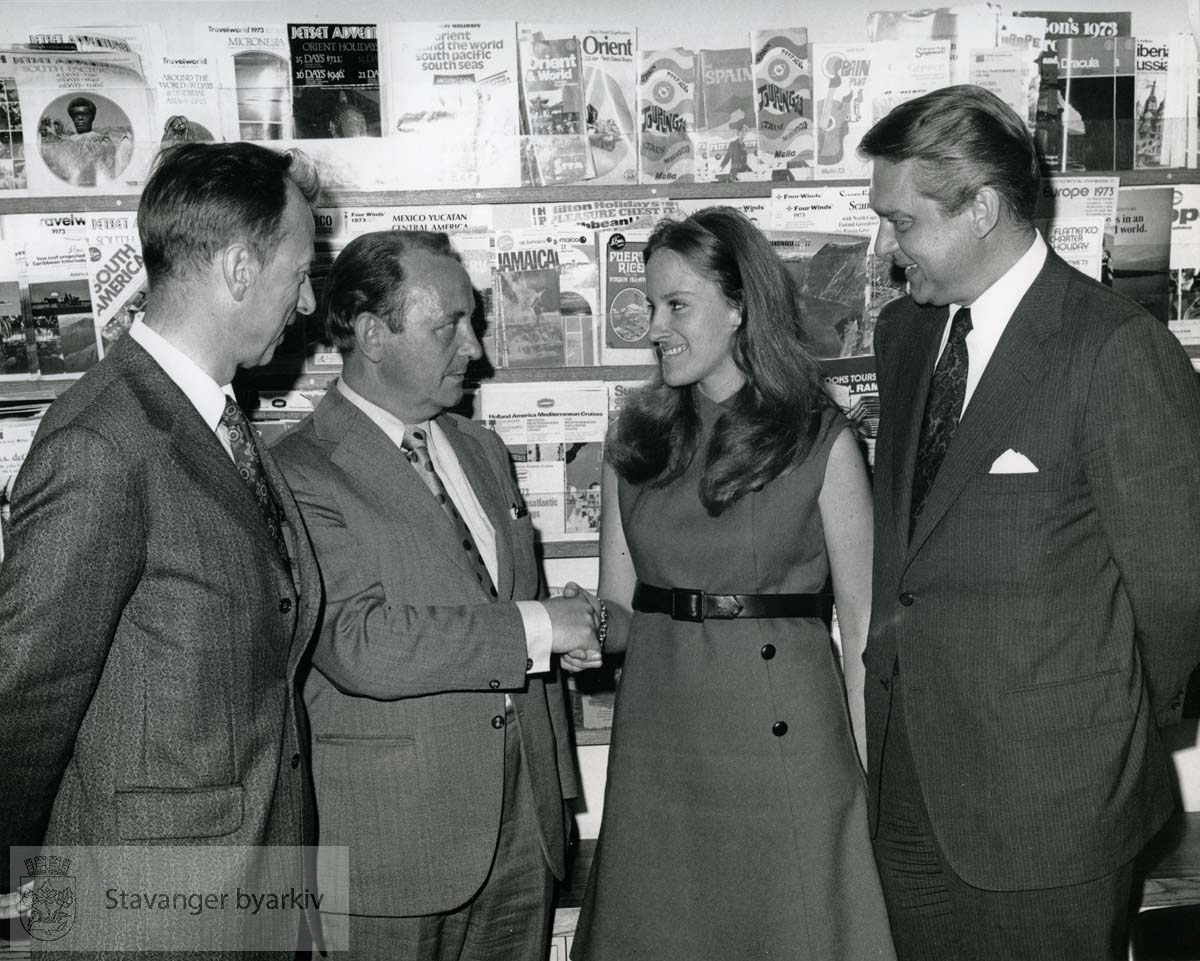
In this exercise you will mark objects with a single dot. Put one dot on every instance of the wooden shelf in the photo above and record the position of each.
(560, 194)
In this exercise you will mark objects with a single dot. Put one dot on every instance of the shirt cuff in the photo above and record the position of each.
(539, 636)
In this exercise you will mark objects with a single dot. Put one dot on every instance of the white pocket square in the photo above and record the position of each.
(1013, 462)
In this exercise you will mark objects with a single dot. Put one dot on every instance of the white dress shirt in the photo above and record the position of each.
(539, 631)
(993, 309)
(205, 394)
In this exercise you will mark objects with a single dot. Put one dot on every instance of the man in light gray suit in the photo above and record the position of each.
(442, 749)
(1035, 614)
(158, 592)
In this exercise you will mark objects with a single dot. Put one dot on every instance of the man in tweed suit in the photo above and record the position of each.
(1037, 553)
(442, 750)
(155, 607)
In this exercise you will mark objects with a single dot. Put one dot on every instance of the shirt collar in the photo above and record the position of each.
(206, 395)
(996, 305)
(385, 420)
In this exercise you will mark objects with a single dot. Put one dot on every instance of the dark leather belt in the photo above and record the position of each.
(686, 605)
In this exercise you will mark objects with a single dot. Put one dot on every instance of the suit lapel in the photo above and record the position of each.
(194, 447)
(916, 351)
(1018, 363)
(480, 474)
(366, 453)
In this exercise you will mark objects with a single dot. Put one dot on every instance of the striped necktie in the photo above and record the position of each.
(416, 445)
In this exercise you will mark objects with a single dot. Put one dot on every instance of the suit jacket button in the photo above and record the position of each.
(779, 728)
(494, 685)
(767, 652)
(295, 760)
(906, 599)
(529, 663)
(285, 605)
(498, 721)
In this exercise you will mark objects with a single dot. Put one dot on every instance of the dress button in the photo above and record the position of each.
(285, 605)
(767, 652)
(498, 721)
(906, 599)
(494, 685)
(295, 760)
(779, 728)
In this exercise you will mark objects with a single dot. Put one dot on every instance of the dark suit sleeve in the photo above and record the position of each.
(389, 646)
(1143, 464)
(73, 557)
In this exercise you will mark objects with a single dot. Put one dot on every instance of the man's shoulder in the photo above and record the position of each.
(300, 450)
(108, 399)
(471, 428)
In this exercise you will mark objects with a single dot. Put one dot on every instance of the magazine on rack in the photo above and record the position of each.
(116, 276)
(1141, 248)
(53, 267)
(554, 432)
(966, 27)
(830, 275)
(1096, 84)
(18, 358)
(843, 210)
(545, 283)
(623, 297)
(667, 96)
(1052, 110)
(850, 382)
(610, 88)
(1184, 314)
(91, 114)
(726, 136)
(856, 84)
(253, 67)
(783, 103)
(452, 103)
(554, 143)
(335, 80)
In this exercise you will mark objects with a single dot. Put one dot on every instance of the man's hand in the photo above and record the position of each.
(575, 618)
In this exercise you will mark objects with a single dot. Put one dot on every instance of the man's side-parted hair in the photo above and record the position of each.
(962, 138)
(201, 197)
(773, 420)
(369, 276)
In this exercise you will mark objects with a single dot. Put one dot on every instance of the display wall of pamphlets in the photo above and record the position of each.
(547, 151)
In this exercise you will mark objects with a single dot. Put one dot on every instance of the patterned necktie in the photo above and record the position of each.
(947, 391)
(248, 462)
(416, 445)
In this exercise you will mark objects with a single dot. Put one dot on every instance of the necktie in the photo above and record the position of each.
(416, 445)
(248, 462)
(943, 408)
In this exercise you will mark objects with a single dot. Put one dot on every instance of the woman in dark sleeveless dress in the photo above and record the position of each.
(735, 821)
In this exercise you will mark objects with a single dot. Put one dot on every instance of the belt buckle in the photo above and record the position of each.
(687, 605)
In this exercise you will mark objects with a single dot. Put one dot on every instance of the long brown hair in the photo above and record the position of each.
(773, 419)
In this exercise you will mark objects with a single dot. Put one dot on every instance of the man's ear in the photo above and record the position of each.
(986, 209)
(239, 269)
(369, 330)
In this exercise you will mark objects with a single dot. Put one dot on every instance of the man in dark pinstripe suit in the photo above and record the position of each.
(1037, 554)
